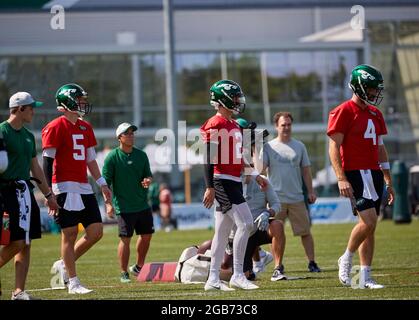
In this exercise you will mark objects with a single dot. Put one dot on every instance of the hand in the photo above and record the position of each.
(146, 182)
(262, 182)
(345, 188)
(262, 221)
(51, 203)
(390, 195)
(311, 197)
(107, 194)
(209, 197)
(110, 210)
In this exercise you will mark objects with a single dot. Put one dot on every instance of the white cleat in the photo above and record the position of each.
(217, 286)
(59, 268)
(345, 267)
(77, 288)
(265, 259)
(241, 282)
(371, 284)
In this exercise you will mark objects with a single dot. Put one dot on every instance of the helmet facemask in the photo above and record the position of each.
(83, 106)
(364, 93)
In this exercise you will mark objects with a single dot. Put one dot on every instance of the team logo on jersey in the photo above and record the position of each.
(365, 75)
(29, 140)
(82, 128)
(373, 113)
(129, 162)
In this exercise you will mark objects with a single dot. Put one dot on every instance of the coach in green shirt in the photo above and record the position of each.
(23, 210)
(127, 172)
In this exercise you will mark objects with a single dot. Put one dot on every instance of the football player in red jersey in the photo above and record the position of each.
(224, 165)
(360, 161)
(68, 149)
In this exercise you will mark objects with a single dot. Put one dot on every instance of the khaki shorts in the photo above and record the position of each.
(298, 216)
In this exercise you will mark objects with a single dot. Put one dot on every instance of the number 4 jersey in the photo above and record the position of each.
(71, 142)
(361, 129)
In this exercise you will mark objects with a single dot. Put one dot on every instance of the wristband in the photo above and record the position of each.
(101, 182)
(48, 195)
(388, 186)
(385, 165)
(255, 173)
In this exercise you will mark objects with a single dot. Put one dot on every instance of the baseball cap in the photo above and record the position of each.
(23, 99)
(123, 127)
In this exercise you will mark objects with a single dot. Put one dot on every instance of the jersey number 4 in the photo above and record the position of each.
(370, 132)
(79, 150)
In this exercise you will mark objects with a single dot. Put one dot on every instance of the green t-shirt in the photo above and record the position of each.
(123, 173)
(21, 149)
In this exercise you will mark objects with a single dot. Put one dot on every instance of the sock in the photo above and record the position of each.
(348, 255)
(73, 280)
(365, 271)
(244, 223)
(223, 225)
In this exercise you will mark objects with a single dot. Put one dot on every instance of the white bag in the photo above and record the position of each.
(193, 267)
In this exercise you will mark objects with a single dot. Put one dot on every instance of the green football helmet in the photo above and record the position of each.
(227, 94)
(364, 77)
(69, 97)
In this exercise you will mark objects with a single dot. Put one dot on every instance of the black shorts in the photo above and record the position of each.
(355, 179)
(227, 193)
(90, 214)
(257, 239)
(141, 222)
(11, 206)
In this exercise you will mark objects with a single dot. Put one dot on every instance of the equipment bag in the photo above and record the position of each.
(193, 267)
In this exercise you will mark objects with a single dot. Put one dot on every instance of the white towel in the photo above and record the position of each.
(369, 189)
(24, 200)
(73, 202)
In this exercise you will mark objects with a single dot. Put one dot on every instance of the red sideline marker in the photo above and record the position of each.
(158, 272)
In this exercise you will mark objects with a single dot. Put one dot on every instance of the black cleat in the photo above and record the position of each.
(313, 267)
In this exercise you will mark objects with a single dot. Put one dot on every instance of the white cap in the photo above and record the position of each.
(123, 127)
(23, 99)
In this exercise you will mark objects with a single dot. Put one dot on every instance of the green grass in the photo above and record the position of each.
(396, 265)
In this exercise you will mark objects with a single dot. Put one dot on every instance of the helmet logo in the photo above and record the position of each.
(226, 86)
(67, 92)
(365, 75)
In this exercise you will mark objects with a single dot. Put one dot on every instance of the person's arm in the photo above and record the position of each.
(274, 204)
(308, 180)
(108, 173)
(47, 164)
(211, 154)
(385, 167)
(4, 160)
(335, 141)
(95, 172)
(148, 177)
(43, 186)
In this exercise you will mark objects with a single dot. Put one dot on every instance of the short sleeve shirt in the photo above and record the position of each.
(361, 129)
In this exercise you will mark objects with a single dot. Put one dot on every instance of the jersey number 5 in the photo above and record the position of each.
(79, 149)
(370, 132)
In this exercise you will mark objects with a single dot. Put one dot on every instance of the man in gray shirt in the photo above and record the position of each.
(264, 206)
(286, 161)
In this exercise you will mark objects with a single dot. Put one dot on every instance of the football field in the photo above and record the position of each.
(396, 265)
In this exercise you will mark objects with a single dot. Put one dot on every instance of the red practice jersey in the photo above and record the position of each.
(71, 142)
(361, 128)
(228, 136)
